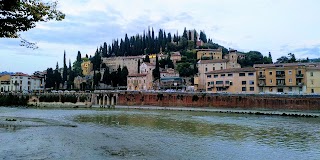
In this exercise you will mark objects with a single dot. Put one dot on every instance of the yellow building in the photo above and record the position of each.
(313, 80)
(233, 58)
(86, 67)
(235, 80)
(139, 82)
(205, 66)
(283, 77)
(207, 54)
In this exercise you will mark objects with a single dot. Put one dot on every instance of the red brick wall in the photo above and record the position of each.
(221, 101)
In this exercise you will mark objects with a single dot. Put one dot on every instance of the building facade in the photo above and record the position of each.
(147, 68)
(209, 54)
(283, 77)
(86, 67)
(236, 80)
(205, 66)
(24, 83)
(313, 80)
(139, 82)
(131, 62)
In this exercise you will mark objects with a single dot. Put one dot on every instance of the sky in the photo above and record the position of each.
(276, 26)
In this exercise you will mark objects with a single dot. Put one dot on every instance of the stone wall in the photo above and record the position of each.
(274, 102)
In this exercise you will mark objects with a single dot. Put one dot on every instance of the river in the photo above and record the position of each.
(152, 134)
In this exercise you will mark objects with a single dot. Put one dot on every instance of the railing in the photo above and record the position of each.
(300, 83)
(280, 76)
(261, 84)
(299, 75)
(262, 76)
(281, 84)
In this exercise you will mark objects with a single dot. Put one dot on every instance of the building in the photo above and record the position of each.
(147, 68)
(171, 83)
(21, 82)
(205, 66)
(313, 80)
(131, 62)
(233, 56)
(5, 83)
(192, 35)
(86, 67)
(169, 72)
(140, 81)
(235, 80)
(209, 54)
(283, 77)
(175, 57)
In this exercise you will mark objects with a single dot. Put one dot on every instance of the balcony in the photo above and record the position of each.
(261, 84)
(299, 75)
(280, 76)
(281, 84)
(262, 76)
(300, 83)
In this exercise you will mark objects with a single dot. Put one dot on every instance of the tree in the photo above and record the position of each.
(22, 15)
(139, 66)
(124, 74)
(203, 37)
(156, 71)
(292, 58)
(282, 59)
(106, 77)
(65, 70)
(146, 59)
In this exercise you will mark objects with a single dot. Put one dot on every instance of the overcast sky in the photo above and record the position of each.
(276, 26)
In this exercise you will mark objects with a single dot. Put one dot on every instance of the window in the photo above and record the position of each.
(230, 75)
(250, 74)
(208, 83)
(251, 88)
(244, 82)
(312, 90)
(312, 82)
(271, 81)
(242, 74)
(222, 75)
(213, 68)
(290, 80)
(244, 89)
(227, 82)
(212, 82)
(251, 82)
(215, 76)
(270, 73)
(311, 74)
(221, 68)
(289, 72)
(208, 76)
(219, 82)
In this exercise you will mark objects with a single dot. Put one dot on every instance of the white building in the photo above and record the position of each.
(21, 82)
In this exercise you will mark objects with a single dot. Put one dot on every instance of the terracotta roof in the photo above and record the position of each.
(214, 50)
(212, 61)
(137, 75)
(232, 70)
(284, 65)
(313, 68)
(20, 74)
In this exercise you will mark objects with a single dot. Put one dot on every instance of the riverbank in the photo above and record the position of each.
(291, 113)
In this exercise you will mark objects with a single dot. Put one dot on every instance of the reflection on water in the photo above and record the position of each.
(299, 134)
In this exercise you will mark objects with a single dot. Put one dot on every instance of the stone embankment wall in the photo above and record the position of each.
(274, 102)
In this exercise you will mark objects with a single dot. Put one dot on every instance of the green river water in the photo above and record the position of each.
(152, 134)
